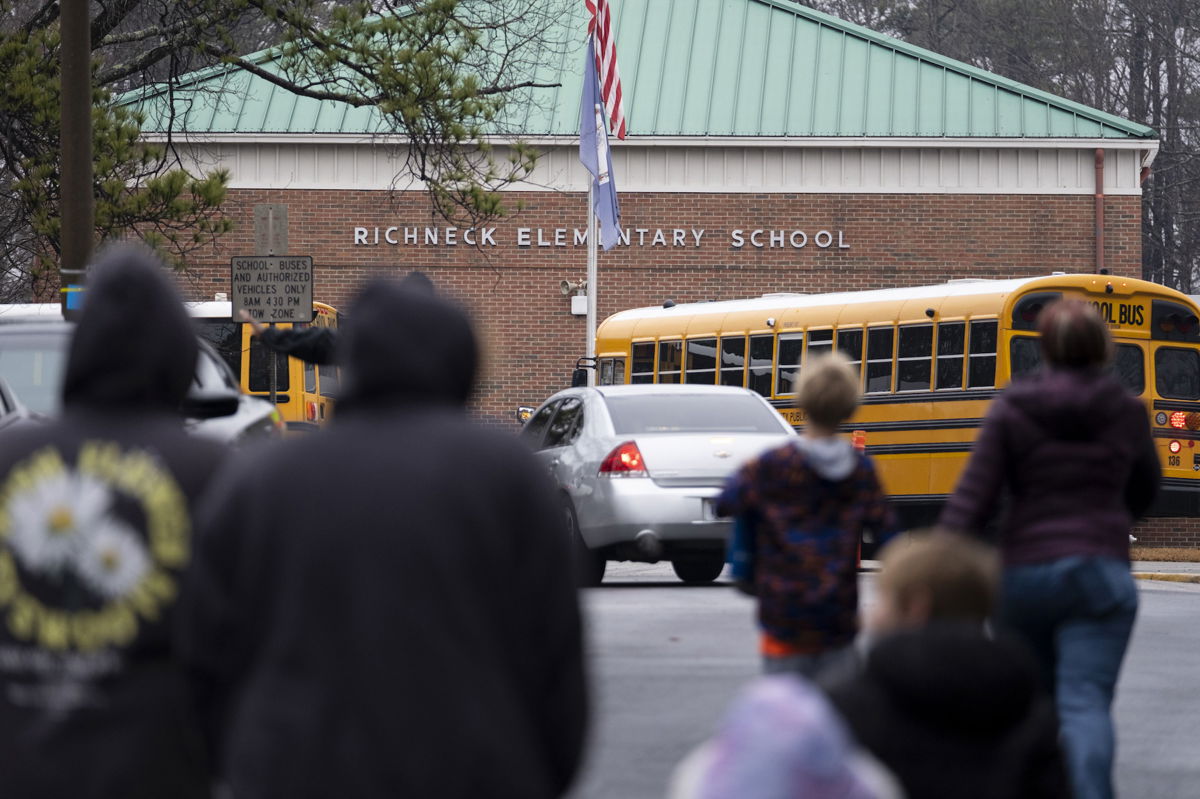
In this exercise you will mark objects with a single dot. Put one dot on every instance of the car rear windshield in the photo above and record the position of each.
(691, 413)
(32, 364)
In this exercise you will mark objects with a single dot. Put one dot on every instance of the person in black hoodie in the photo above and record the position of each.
(95, 532)
(952, 711)
(387, 607)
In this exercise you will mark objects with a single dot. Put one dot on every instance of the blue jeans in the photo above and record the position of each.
(1077, 615)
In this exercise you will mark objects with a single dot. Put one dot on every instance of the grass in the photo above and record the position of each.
(1170, 554)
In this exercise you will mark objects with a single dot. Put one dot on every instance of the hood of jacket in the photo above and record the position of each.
(832, 458)
(1069, 404)
(403, 344)
(956, 679)
(133, 348)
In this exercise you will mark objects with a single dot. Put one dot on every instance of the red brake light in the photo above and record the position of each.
(624, 461)
(1179, 420)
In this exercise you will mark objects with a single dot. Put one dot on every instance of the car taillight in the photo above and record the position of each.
(624, 461)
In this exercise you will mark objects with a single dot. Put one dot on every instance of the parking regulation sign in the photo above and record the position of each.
(272, 288)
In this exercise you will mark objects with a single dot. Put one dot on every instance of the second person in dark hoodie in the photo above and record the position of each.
(386, 607)
(1073, 450)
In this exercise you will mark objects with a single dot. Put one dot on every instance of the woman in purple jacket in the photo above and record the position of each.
(1070, 450)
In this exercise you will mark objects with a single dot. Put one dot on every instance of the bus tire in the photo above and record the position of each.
(589, 565)
(696, 569)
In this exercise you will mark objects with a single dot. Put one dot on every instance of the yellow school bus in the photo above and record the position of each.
(303, 392)
(930, 359)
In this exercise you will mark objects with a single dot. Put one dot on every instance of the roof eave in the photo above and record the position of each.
(826, 142)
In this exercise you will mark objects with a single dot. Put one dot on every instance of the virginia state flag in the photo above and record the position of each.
(593, 152)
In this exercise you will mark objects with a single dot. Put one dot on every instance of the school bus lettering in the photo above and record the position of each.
(1122, 314)
(792, 415)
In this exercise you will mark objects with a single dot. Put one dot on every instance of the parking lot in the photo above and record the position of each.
(667, 658)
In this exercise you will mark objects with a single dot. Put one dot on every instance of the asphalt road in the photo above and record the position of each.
(667, 659)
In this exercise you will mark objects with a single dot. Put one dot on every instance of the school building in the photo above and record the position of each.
(771, 148)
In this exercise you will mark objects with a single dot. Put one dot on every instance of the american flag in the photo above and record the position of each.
(600, 27)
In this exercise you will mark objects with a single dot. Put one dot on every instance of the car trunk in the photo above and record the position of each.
(700, 459)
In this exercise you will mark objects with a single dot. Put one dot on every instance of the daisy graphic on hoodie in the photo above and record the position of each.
(75, 571)
(64, 523)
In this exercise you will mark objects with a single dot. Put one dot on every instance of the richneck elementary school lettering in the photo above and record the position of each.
(758, 238)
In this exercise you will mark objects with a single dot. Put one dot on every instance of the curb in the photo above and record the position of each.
(1168, 577)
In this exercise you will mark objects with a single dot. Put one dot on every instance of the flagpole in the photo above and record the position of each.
(592, 288)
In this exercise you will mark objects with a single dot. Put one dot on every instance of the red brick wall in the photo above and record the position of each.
(533, 340)
(1168, 532)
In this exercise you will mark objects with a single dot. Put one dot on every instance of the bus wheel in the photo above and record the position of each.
(589, 565)
(699, 568)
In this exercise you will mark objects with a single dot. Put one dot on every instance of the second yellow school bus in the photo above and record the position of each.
(930, 358)
(304, 393)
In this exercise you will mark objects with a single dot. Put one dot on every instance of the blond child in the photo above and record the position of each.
(950, 709)
(800, 511)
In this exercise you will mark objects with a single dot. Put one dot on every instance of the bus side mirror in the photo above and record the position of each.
(523, 413)
(578, 378)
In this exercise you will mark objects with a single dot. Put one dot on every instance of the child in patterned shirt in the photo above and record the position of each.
(800, 511)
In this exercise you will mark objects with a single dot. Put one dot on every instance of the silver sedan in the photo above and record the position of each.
(638, 468)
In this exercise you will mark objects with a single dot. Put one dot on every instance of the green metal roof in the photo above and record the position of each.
(757, 68)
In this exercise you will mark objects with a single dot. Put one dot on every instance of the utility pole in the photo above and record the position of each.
(76, 196)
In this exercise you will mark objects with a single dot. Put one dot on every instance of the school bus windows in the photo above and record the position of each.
(611, 372)
(791, 345)
(1177, 373)
(762, 349)
(733, 361)
(1029, 308)
(1129, 367)
(670, 361)
(642, 363)
(329, 379)
(879, 359)
(850, 344)
(915, 358)
(1024, 355)
(820, 342)
(981, 363)
(951, 348)
(1170, 321)
(701, 360)
(260, 368)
